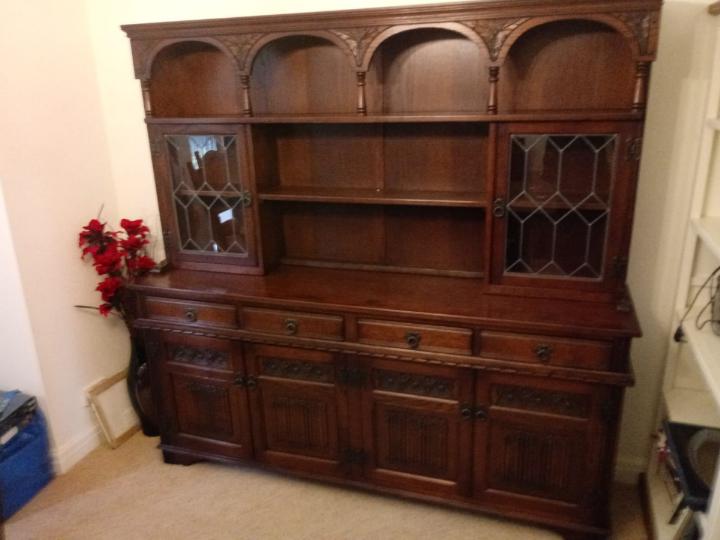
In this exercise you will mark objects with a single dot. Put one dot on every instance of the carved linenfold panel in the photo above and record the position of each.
(406, 383)
(203, 408)
(200, 357)
(417, 443)
(644, 26)
(494, 32)
(537, 400)
(295, 423)
(537, 463)
(297, 369)
(359, 39)
(240, 47)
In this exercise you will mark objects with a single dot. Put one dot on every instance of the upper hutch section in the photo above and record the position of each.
(457, 60)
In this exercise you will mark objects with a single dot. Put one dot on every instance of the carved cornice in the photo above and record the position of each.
(296, 369)
(200, 357)
(537, 400)
(240, 47)
(358, 39)
(494, 32)
(406, 383)
(644, 26)
(140, 51)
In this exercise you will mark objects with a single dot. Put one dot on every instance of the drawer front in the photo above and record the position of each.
(415, 336)
(577, 353)
(293, 323)
(196, 313)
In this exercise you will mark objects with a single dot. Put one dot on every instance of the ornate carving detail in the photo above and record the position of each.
(240, 46)
(643, 25)
(296, 369)
(140, 50)
(534, 399)
(359, 39)
(494, 32)
(200, 357)
(205, 388)
(422, 385)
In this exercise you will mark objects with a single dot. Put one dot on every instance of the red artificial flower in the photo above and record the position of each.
(140, 264)
(109, 287)
(133, 227)
(134, 243)
(92, 232)
(105, 309)
(107, 261)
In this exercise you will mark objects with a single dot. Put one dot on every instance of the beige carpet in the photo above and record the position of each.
(129, 493)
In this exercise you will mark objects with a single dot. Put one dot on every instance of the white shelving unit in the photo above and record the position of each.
(691, 389)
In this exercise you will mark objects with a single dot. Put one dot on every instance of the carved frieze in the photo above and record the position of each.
(643, 25)
(422, 385)
(141, 48)
(494, 32)
(240, 47)
(539, 400)
(296, 369)
(200, 357)
(358, 39)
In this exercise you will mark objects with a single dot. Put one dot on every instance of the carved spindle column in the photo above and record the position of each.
(492, 107)
(642, 70)
(245, 86)
(361, 101)
(147, 104)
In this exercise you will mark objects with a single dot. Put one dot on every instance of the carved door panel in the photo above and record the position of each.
(205, 409)
(541, 444)
(563, 197)
(299, 409)
(417, 429)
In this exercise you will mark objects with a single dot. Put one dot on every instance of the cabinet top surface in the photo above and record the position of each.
(403, 14)
(428, 297)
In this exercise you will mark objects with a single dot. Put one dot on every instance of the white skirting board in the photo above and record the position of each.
(66, 456)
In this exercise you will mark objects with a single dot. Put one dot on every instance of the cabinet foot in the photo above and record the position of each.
(174, 458)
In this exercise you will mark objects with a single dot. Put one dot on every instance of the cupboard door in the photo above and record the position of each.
(206, 196)
(299, 411)
(417, 428)
(541, 444)
(204, 408)
(563, 204)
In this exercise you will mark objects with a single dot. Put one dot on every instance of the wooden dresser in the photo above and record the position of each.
(397, 243)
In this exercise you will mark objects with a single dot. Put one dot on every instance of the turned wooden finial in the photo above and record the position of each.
(245, 86)
(642, 71)
(147, 104)
(492, 107)
(361, 101)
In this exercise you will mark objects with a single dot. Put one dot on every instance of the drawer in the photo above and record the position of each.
(577, 353)
(293, 323)
(415, 336)
(186, 312)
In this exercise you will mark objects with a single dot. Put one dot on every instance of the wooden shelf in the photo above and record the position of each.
(368, 196)
(524, 116)
(708, 229)
(692, 406)
(705, 346)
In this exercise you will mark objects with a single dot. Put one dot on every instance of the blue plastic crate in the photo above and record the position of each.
(25, 465)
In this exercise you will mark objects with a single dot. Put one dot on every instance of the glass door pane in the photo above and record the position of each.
(208, 193)
(558, 204)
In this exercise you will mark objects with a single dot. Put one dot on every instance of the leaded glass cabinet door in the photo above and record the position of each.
(563, 200)
(206, 196)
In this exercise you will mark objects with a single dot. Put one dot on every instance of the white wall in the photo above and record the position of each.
(55, 174)
(74, 137)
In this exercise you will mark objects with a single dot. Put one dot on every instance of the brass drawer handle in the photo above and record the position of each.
(291, 326)
(191, 315)
(543, 352)
(413, 339)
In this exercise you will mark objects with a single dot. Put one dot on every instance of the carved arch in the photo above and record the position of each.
(144, 65)
(457, 28)
(613, 22)
(258, 45)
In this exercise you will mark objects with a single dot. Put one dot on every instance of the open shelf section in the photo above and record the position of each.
(692, 406)
(369, 196)
(526, 116)
(708, 229)
(705, 346)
